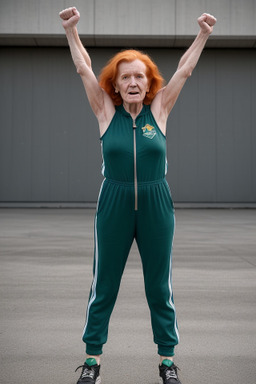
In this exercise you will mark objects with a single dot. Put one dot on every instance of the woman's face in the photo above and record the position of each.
(132, 82)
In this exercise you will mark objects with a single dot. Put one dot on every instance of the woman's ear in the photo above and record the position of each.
(115, 88)
(149, 85)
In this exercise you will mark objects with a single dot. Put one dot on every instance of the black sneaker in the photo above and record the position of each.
(90, 374)
(168, 375)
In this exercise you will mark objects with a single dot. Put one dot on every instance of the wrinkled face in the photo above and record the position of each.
(132, 82)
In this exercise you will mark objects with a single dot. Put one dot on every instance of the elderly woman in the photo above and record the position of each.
(135, 202)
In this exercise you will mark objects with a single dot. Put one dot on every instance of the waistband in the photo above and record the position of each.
(131, 183)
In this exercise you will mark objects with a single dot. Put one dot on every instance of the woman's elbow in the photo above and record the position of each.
(188, 71)
(80, 69)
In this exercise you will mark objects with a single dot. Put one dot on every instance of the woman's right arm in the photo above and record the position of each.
(99, 100)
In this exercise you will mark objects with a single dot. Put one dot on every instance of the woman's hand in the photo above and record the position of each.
(206, 23)
(70, 17)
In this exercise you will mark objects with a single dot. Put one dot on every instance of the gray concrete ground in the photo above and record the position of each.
(46, 271)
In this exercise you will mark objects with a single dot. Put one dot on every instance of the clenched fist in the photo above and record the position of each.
(70, 17)
(206, 22)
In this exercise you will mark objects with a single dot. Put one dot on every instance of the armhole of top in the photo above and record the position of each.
(101, 137)
(157, 124)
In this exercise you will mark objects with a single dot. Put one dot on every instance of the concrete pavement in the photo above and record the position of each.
(46, 270)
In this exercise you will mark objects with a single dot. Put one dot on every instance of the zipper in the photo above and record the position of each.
(135, 166)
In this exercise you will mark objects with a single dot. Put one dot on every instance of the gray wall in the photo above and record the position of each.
(49, 147)
(151, 23)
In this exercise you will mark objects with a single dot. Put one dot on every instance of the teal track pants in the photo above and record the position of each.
(117, 224)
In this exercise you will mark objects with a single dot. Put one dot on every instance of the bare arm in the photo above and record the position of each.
(70, 17)
(99, 100)
(166, 97)
(191, 56)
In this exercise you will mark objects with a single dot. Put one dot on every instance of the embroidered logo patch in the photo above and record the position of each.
(148, 131)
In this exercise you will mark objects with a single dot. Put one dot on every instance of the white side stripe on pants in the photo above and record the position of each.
(171, 298)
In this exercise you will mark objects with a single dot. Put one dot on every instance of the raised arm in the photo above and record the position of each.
(191, 56)
(166, 97)
(99, 100)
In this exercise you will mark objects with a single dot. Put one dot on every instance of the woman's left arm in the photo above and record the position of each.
(167, 96)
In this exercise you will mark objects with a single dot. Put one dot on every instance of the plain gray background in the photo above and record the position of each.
(49, 140)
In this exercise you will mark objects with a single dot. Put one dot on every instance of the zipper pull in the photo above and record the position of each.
(134, 124)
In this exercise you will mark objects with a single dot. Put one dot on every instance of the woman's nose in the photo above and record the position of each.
(133, 81)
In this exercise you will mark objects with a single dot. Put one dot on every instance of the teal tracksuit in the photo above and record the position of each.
(134, 203)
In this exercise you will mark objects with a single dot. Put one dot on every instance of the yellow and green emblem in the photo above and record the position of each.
(149, 131)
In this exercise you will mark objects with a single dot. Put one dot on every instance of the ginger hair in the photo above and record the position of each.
(109, 73)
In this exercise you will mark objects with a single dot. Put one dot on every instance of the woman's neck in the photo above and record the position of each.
(133, 109)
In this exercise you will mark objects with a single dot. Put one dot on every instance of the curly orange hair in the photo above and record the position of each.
(109, 73)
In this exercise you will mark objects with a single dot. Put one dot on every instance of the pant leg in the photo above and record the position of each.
(154, 235)
(114, 234)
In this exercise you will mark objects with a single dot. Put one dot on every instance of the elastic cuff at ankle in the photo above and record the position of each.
(165, 351)
(93, 349)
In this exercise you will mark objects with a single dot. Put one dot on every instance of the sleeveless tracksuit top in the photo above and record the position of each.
(134, 151)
